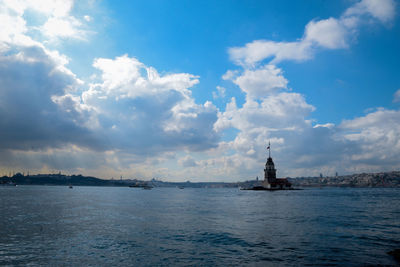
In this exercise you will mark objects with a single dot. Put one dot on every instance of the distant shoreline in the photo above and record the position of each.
(368, 180)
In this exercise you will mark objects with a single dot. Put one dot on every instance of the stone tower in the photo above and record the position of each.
(270, 181)
(270, 171)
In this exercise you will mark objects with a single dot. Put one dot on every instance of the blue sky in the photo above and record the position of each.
(185, 90)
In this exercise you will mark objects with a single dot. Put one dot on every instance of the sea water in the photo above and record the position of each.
(110, 226)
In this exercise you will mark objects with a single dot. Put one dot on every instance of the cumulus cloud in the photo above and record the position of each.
(365, 144)
(259, 50)
(30, 119)
(377, 135)
(145, 112)
(261, 82)
(63, 27)
(329, 33)
(123, 77)
(140, 113)
(279, 111)
(39, 116)
(282, 118)
(383, 10)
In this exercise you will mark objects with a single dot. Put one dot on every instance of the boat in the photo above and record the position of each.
(147, 187)
(70, 186)
(181, 187)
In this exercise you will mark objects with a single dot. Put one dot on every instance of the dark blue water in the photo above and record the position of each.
(44, 225)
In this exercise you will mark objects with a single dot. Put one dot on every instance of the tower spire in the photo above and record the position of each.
(269, 150)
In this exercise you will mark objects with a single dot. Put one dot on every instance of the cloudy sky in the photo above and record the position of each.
(195, 90)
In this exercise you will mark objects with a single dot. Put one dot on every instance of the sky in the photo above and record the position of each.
(195, 90)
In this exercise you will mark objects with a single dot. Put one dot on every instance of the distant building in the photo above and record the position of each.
(270, 180)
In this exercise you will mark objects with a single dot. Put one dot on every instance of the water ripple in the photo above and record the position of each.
(89, 226)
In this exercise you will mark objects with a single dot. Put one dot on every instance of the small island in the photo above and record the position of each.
(270, 182)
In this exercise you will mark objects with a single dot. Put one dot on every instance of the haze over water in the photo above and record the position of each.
(43, 225)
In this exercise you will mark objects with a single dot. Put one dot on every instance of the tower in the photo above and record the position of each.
(269, 171)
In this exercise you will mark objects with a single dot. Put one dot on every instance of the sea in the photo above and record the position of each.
(118, 226)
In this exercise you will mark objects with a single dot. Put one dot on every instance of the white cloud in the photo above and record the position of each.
(123, 78)
(12, 30)
(145, 112)
(261, 82)
(326, 125)
(365, 144)
(377, 136)
(259, 50)
(381, 118)
(280, 111)
(63, 28)
(383, 10)
(139, 115)
(119, 72)
(329, 33)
